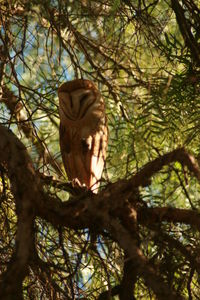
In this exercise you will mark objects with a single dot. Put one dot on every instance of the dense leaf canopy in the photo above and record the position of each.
(138, 238)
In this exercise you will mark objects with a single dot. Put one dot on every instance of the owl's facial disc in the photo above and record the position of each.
(75, 105)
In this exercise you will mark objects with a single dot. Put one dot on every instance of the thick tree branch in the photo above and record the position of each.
(128, 281)
(155, 215)
(75, 214)
(21, 174)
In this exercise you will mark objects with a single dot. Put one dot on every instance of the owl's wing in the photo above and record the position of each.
(70, 151)
(95, 162)
(84, 158)
(65, 147)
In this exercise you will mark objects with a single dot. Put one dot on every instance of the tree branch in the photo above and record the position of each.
(169, 214)
(75, 213)
(21, 174)
(141, 264)
(185, 29)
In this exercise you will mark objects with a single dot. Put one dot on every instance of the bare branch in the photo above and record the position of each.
(141, 264)
(21, 174)
(169, 214)
(186, 32)
(75, 214)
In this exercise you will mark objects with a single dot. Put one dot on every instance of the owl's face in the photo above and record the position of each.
(79, 103)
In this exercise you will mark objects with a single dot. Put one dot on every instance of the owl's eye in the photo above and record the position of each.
(83, 99)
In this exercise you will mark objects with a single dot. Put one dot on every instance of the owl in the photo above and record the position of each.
(83, 132)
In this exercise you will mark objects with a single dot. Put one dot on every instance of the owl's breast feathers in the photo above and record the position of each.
(83, 132)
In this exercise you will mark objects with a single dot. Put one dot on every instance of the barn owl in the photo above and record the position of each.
(83, 132)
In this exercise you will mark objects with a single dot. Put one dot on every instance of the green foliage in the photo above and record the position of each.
(135, 53)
